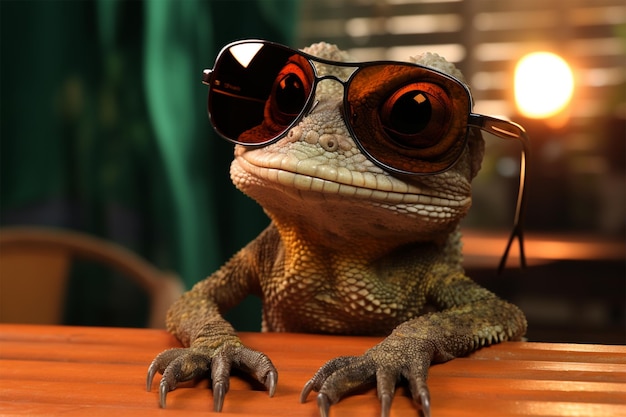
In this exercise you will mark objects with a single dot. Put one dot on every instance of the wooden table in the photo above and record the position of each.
(80, 371)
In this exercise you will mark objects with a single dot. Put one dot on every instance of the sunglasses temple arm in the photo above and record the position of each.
(518, 219)
(509, 130)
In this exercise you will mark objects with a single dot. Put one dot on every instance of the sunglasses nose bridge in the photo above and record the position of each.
(326, 91)
(330, 77)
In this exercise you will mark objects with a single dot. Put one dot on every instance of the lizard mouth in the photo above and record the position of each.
(307, 175)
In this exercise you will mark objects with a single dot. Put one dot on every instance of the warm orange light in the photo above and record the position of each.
(544, 85)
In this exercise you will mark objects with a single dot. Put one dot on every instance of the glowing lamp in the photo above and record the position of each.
(544, 85)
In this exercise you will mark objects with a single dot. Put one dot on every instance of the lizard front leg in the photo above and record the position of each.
(211, 345)
(213, 350)
(473, 318)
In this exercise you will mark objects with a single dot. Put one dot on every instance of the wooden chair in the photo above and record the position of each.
(35, 264)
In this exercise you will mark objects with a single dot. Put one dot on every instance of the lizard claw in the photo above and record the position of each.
(164, 388)
(308, 387)
(271, 380)
(219, 393)
(152, 370)
(323, 403)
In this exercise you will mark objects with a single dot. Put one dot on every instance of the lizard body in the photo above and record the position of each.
(351, 249)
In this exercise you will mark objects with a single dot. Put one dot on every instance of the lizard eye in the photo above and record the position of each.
(416, 116)
(289, 95)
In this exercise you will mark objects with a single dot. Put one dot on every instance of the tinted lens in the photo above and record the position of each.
(257, 92)
(408, 118)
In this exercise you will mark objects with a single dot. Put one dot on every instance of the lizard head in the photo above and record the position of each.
(316, 177)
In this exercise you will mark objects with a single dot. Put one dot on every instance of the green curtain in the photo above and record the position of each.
(104, 128)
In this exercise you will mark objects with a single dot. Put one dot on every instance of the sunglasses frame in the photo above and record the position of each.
(503, 129)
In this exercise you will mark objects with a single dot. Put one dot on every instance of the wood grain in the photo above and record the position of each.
(79, 371)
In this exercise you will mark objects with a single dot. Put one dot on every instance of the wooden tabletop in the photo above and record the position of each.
(91, 371)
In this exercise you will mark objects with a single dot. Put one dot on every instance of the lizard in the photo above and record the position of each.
(353, 248)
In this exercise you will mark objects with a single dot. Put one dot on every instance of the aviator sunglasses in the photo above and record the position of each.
(406, 118)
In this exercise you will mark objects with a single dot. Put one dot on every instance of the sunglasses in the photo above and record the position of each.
(406, 118)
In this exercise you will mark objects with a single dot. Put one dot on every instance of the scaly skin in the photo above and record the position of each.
(351, 250)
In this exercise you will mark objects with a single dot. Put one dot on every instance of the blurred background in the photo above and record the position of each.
(104, 131)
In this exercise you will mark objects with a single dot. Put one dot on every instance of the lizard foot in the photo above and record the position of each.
(183, 364)
(384, 365)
